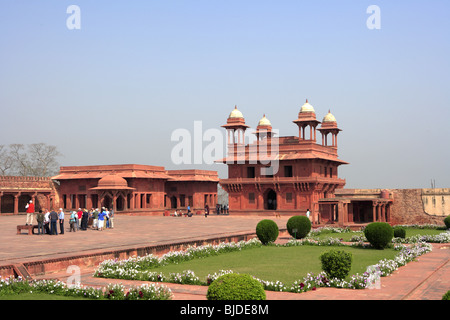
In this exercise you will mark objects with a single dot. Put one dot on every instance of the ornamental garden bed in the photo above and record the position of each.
(293, 266)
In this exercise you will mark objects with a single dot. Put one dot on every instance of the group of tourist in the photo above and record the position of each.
(78, 220)
(222, 209)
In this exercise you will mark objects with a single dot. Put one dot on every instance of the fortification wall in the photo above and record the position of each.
(411, 206)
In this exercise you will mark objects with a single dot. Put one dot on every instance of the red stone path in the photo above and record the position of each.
(425, 279)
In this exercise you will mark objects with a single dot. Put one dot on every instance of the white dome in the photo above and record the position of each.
(264, 122)
(236, 113)
(307, 107)
(329, 118)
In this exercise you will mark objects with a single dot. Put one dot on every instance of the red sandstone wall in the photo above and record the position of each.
(408, 208)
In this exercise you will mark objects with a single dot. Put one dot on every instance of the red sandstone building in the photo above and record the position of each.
(125, 188)
(16, 192)
(286, 175)
(289, 175)
(135, 188)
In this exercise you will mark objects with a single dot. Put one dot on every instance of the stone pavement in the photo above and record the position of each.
(425, 279)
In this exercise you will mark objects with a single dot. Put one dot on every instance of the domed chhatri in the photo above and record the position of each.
(264, 128)
(264, 121)
(307, 107)
(236, 113)
(286, 174)
(235, 124)
(329, 117)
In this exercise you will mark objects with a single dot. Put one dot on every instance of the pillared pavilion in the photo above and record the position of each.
(291, 174)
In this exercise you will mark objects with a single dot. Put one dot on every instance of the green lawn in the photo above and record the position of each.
(286, 264)
(270, 263)
(346, 236)
(38, 296)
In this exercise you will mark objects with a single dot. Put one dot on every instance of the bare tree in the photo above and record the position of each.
(6, 162)
(20, 159)
(37, 159)
(42, 159)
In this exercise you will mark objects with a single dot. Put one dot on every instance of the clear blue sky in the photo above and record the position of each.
(113, 91)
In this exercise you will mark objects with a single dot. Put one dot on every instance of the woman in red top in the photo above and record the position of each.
(30, 212)
(79, 213)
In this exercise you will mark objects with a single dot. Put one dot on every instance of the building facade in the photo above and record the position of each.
(283, 174)
(135, 188)
(16, 192)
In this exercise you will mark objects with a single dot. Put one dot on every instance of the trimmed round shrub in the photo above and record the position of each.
(234, 286)
(399, 232)
(336, 263)
(298, 226)
(379, 234)
(267, 231)
(446, 296)
(447, 222)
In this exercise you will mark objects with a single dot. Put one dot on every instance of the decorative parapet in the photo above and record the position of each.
(20, 183)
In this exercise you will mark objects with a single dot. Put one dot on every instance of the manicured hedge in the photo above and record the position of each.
(298, 226)
(379, 234)
(234, 286)
(447, 222)
(336, 263)
(267, 231)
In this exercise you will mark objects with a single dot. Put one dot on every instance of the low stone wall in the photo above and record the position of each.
(46, 266)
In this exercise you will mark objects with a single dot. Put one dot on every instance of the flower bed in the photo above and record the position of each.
(10, 286)
(134, 269)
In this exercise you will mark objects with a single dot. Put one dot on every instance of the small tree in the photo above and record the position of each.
(447, 222)
(234, 286)
(379, 234)
(267, 231)
(298, 226)
(336, 263)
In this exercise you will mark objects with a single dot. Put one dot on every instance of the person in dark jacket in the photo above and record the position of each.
(40, 220)
(84, 219)
(53, 220)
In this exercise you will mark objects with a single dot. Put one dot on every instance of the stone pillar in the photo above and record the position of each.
(259, 201)
(125, 202)
(374, 211)
(340, 214)
(89, 201)
(114, 200)
(16, 203)
(279, 200)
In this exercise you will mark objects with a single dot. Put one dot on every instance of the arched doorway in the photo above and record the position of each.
(270, 200)
(7, 203)
(173, 202)
(120, 203)
(107, 202)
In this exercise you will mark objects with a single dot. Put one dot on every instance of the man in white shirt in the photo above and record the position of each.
(47, 221)
(61, 221)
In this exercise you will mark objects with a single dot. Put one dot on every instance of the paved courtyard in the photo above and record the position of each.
(425, 279)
